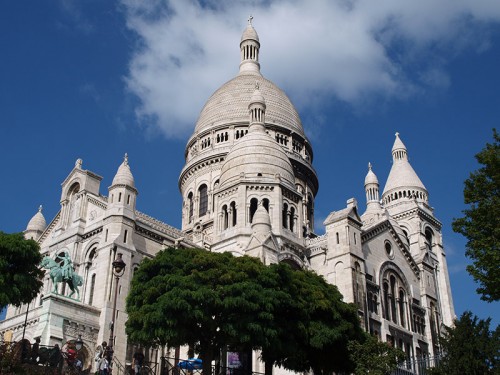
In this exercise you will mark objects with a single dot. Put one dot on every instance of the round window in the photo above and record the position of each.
(388, 250)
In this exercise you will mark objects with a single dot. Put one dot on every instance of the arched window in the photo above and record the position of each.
(387, 310)
(428, 238)
(190, 207)
(253, 207)
(292, 217)
(358, 286)
(225, 217)
(310, 211)
(233, 210)
(396, 297)
(392, 297)
(265, 203)
(91, 291)
(203, 194)
(284, 215)
(402, 301)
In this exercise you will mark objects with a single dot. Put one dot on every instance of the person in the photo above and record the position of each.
(34, 350)
(78, 364)
(55, 358)
(138, 360)
(103, 366)
(71, 354)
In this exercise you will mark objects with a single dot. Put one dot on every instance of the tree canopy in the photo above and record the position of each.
(374, 357)
(313, 324)
(20, 277)
(481, 223)
(469, 348)
(213, 300)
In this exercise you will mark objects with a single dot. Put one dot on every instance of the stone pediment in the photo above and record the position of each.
(389, 225)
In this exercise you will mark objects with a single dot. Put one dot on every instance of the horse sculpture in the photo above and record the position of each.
(57, 276)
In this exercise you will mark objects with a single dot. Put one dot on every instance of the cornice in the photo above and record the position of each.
(96, 202)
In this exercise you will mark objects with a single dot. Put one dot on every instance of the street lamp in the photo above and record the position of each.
(79, 343)
(118, 270)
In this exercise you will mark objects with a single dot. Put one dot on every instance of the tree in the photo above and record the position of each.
(469, 348)
(20, 278)
(213, 300)
(374, 357)
(317, 328)
(201, 299)
(481, 223)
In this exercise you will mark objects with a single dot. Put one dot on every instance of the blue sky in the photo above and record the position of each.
(96, 79)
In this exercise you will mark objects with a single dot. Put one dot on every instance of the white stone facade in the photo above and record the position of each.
(248, 186)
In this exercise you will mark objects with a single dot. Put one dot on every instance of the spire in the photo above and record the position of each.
(249, 48)
(402, 183)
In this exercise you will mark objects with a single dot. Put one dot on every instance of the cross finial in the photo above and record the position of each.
(125, 159)
(250, 20)
(369, 166)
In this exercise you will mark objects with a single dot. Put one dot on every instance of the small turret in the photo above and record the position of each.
(372, 190)
(257, 110)
(122, 192)
(249, 48)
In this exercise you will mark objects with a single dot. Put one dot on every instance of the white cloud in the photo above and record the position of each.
(313, 49)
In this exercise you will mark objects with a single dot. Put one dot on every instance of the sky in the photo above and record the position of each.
(97, 79)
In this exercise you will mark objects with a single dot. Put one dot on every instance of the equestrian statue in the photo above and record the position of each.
(62, 272)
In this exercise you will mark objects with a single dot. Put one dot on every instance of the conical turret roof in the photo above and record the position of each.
(249, 33)
(37, 222)
(371, 178)
(402, 176)
(124, 174)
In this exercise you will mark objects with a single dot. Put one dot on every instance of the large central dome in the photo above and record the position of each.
(229, 104)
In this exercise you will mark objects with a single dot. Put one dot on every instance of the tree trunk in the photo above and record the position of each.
(268, 368)
(207, 356)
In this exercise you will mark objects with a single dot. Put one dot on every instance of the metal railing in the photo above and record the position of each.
(416, 365)
(168, 367)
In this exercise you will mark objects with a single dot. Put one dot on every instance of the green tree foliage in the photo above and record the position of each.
(20, 278)
(202, 299)
(374, 357)
(313, 325)
(481, 223)
(211, 300)
(470, 348)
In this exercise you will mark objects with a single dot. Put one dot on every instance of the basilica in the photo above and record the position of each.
(248, 186)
